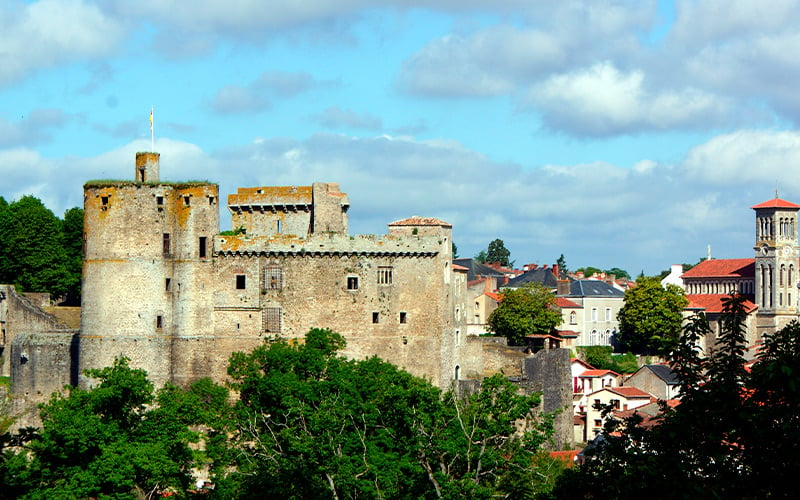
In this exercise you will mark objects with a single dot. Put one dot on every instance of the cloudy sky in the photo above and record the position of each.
(626, 134)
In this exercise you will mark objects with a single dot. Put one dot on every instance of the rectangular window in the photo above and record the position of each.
(166, 248)
(167, 285)
(279, 227)
(187, 200)
(203, 245)
(159, 200)
(273, 277)
(352, 282)
(159, 322)
(376, 317)
(241, 281)
(212, 200)
(594, 314)
(272, 319)
(608, 314)
(403, 317)
(385, 275)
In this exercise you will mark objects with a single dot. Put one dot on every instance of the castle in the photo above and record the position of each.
(162, 286)
(165, 288)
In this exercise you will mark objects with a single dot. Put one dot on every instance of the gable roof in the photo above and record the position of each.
(663, 372)
(582, 362)
(775, 203)
(718, 268)
(712, 302)
(598, 373)
(629, 392)
(543, 275)
(593, 288)
(476, 269)
(565, 303)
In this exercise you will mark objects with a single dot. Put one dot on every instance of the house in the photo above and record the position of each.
(577, 367)
(590, 381)
(658, 380)
(621, 398)
(595, 318)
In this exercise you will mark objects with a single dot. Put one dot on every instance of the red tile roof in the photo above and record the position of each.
(496, 296)
(420, 221)
(567, 333)
(629, 392)
(456, 267)
(566, 303)
(598, 373)
(733, 268)
(712, 302)
(775, 203)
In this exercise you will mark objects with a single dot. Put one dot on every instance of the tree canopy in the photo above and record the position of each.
(525, 311)
(365, 429)
(497, 252)
(733, 435)
(118, 440)
(38, 251)
(652, 316)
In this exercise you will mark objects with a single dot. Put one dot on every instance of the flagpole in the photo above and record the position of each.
(152, 135)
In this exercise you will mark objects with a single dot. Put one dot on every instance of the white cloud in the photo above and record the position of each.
(336, 117)
(747, 157)
(52, 32)
(602, 101)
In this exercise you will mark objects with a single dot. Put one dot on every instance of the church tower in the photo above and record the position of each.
(776, 262)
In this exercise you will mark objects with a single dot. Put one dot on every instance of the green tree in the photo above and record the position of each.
(315, 425)
(497, 252)
(525, 311)
(118, 440)
(562, 264)
(73, 247)
(481, 257)
(619, 273)
(31, 253)
(588, 271)
(651, 318)
(455, 250)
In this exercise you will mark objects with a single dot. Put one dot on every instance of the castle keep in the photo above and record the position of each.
(163, 287)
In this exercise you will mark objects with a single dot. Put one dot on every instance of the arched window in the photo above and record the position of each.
(780, 276)
(573, 318)
(457, 373)
(593, 337)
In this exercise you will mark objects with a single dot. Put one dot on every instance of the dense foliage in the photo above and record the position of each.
(118, 440)
(651, 318)
(316, 425)
(308, 424)
(38, 251)
(525, 311)
(734, 434)
(601, 357)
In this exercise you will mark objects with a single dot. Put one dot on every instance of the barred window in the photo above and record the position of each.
(272, 319)
(273, 277)
(385, 275)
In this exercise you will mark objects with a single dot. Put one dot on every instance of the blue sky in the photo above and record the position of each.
(624, 134)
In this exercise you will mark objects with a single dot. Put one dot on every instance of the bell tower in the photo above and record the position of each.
(776, 262)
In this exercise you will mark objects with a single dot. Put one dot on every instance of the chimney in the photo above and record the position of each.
(562, 287)
(147, 167)
(555, 270)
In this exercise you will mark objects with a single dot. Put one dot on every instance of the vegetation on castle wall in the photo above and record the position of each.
(38, 251)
